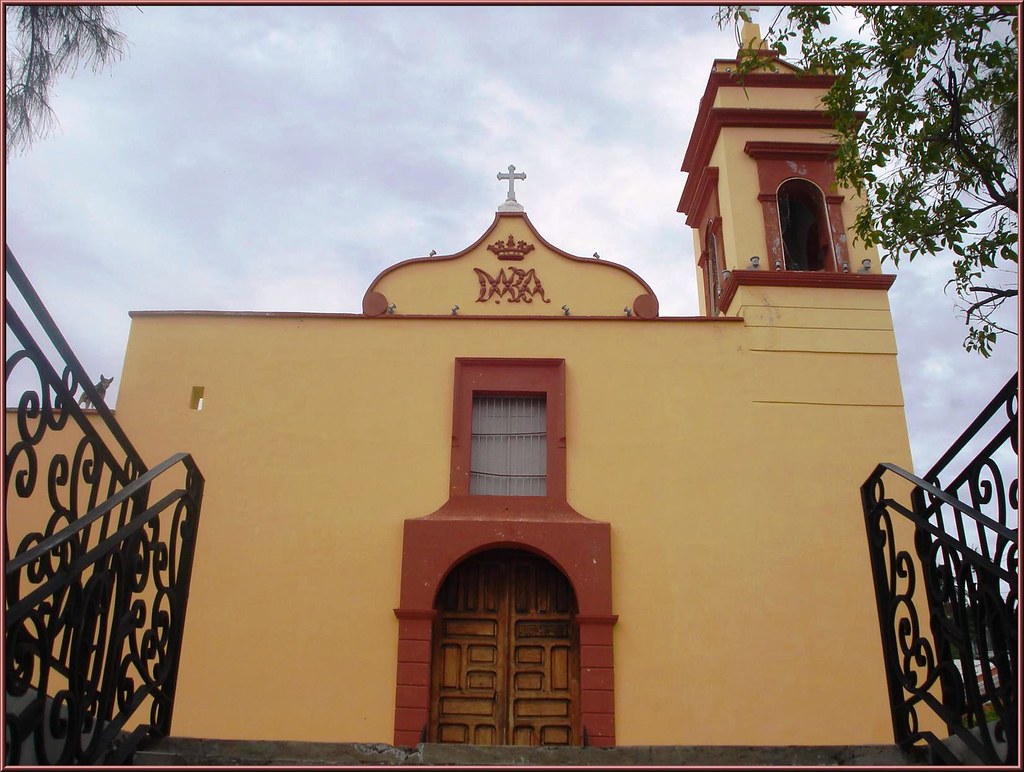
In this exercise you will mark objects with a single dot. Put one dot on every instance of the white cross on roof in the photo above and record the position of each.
(511, 205)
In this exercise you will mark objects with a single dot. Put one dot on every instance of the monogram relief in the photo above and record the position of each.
(514, 284)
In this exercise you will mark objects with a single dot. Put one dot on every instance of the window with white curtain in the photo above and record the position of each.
(510, 448)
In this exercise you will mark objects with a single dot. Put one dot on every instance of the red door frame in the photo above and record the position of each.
(546, 525)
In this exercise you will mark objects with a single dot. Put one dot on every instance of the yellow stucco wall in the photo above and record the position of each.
(775, 98)
(727, 457)
(727, 466)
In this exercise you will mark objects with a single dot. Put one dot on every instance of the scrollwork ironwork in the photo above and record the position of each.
(96, 468)
(947, 602)
(98, 638)
(96, 594)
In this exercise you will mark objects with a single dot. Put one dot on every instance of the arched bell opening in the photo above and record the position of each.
(803, 222)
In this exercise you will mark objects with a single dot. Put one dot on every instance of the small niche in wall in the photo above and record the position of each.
(196, 403)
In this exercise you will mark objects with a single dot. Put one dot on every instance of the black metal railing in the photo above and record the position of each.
(946, 568)
(96, 575)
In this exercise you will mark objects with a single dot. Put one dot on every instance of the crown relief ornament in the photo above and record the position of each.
(510, 250)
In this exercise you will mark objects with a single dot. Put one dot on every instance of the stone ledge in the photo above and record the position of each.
(185, 751)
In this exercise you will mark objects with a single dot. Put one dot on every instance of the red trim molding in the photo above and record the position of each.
(728, 117)
(702, 144)
(791, 77)
(821, 279)
(705, 192)
(546, 525)
(398, 319)
(710, 119)
(789, 151)
(719, 79)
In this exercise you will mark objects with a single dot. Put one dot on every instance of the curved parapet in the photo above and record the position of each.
(511, 270)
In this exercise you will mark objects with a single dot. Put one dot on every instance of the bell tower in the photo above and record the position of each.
(761, 195)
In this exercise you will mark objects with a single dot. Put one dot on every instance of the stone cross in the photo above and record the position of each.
(511, 176)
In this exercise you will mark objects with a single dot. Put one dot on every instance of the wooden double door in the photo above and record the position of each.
(505, 667)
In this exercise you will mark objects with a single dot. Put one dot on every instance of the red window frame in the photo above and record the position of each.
(508, 378)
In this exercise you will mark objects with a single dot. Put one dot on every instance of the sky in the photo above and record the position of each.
(268, 158)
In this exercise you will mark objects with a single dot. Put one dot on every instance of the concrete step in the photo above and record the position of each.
(187, 751)
(966, 756)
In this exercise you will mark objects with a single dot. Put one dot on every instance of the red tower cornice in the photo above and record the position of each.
(711, 120)
(717, 79)
(788, 151)
(705, 136)
(831, 280)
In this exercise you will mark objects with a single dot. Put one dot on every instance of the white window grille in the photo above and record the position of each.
(510, 450)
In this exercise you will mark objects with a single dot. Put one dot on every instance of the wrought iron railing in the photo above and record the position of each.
(96, 576)
(946, 584)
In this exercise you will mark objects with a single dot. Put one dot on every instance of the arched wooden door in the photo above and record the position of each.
(505, 665)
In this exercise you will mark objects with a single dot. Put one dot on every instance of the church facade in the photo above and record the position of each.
(511, 503)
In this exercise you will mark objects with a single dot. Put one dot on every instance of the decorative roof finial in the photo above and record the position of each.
(750, 36)
(511, 205)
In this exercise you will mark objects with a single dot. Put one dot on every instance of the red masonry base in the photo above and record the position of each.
(597, 679)
(412, 693)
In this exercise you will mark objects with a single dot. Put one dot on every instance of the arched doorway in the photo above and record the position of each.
(505, 664)
(434, 545)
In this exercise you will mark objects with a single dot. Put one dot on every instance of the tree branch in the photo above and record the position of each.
(995, 299)
(954, 137)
